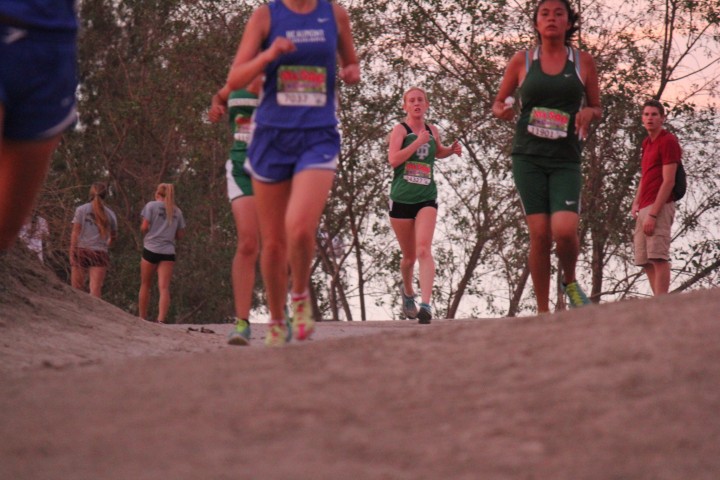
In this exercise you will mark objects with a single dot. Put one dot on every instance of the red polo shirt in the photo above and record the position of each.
(664, 150)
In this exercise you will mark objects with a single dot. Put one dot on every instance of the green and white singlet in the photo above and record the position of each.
(414, 180)
(241, 106)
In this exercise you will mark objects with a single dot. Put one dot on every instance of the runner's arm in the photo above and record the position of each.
(250, 61)
(593, 110)
(442, 150)
(514, 72)
(398, 155)
(349, 63)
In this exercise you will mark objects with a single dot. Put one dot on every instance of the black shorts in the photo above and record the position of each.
(409, 210)
(156, 258)
(86, 258)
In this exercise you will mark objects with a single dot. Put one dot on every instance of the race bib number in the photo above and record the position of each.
(243, 129)
(548, 123)
(302, 86)
(418, 173)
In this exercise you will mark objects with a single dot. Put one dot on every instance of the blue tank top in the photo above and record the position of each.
(53, 15)
(299, 87)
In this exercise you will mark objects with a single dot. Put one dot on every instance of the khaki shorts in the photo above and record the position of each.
(657, 246)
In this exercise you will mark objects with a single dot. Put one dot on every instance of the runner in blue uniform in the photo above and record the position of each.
(295, 145)
(37, 100)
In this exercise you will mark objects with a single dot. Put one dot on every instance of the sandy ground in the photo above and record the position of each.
(628, 390)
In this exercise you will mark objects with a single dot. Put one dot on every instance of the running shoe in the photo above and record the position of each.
(409, 308)
(278, 334)
(575, 294)
(424, 314)
(240, 335)
(303, 323)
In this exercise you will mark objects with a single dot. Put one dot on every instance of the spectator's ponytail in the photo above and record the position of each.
(167, 192)
(98, 192)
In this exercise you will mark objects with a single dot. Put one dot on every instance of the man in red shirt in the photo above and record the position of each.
(654, 205)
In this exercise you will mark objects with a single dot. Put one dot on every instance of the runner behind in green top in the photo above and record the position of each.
(414, 146)
(240, 106)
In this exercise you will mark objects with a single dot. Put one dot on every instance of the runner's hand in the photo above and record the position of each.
(423, 137)
(280, 46)
(582, 122)
(503, 111)
(350, 74)
(216, 112)
(456, 148)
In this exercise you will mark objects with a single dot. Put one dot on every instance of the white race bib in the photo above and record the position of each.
(302, 86)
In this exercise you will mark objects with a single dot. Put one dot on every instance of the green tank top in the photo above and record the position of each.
(241, 105)
(549, 103)
(413, 180)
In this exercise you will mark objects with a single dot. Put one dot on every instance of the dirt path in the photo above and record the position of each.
(619, 391)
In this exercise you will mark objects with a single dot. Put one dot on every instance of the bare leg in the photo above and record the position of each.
(165, 270)
(23, 166)
(97, 278)
(77, 277)
(658, 272)
(650, 272)
(564, 231)
(424, 231)
(405, 233)
(147, 271)
(539, 258)
(271, 201)
(246, 253)
(310, 190)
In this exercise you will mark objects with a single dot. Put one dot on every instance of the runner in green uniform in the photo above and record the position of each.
(240, 106)
(559, 97)
(414, 146)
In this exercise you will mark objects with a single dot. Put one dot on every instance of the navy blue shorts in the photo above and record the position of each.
(275, 154)
(38, 78)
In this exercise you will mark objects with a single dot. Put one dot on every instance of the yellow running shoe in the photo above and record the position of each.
(278, 334)
(303, 324)
(240, 335)
(575, 294)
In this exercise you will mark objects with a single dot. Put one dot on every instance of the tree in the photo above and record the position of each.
(149, 68)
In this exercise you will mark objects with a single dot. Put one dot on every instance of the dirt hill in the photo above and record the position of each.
(628, 390)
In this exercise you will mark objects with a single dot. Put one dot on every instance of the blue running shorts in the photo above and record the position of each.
(275, 154)
(38, 78)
